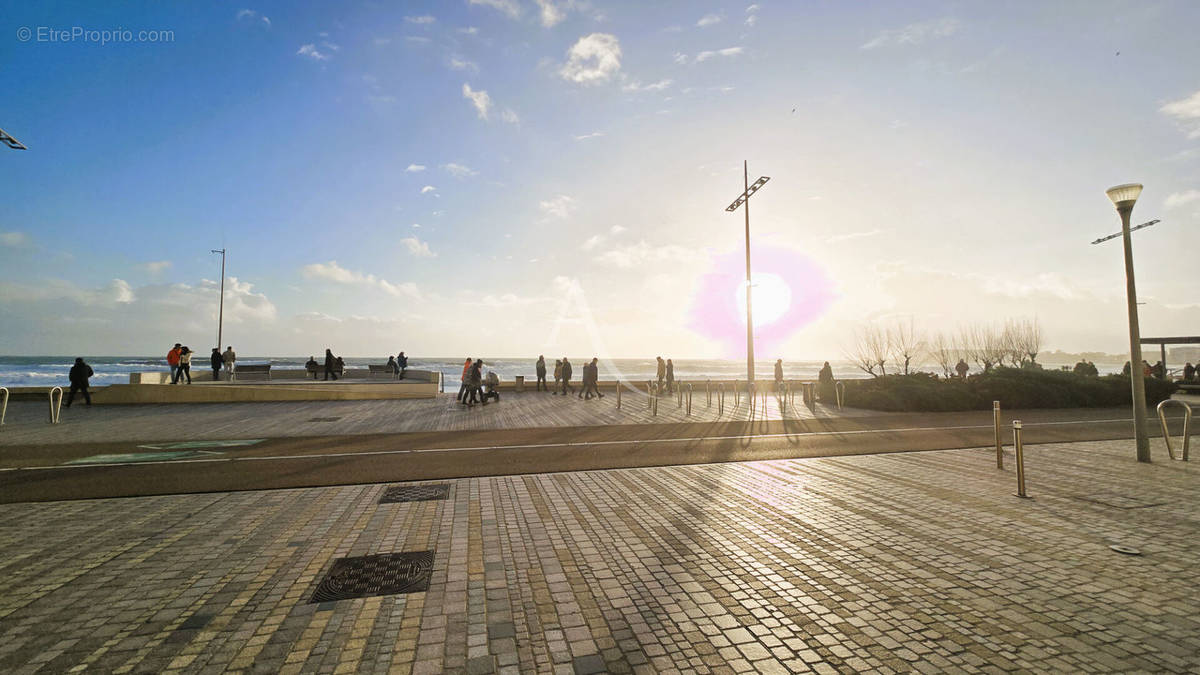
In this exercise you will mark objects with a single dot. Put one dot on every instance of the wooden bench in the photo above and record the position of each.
(256, 369)
(373, 370)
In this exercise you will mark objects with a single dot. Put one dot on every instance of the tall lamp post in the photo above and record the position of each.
(744, 198)
(1124, 197)
(221, 310)
(11, 142)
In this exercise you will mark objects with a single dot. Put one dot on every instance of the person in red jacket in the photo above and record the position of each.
(173, 361)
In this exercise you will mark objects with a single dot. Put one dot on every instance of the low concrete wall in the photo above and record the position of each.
(205, 375)
(240, 392)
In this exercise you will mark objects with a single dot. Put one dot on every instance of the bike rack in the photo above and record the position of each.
(839, 389)
(55, 407)
(1187, 423)
(3, 406)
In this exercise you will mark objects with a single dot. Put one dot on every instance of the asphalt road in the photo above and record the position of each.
(41, 473)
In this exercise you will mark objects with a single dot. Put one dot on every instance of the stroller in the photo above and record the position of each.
(491, 386)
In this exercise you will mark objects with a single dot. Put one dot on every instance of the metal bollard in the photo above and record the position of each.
(1020, 450)
(708, 392)
(737, 393)
(654, 400)
(678, 394)
(839, 389)
(619, 388)
(55, 407)
(689, 398)
(649, 395)
(999, 445)
(3, 406)
(1162, 419)
(721, 399)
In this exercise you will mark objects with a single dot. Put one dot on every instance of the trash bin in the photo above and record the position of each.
(519, 383)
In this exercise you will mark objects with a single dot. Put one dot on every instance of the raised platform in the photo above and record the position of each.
(252, 391)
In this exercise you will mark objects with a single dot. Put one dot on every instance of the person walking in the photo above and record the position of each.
(662, 371)
(216, 363)
(541, 373)
(475, 383)
(392, 366)
(778, 374)
(826, 390)
(591, 376)
(462, 389)
(596, 377)
(330, 365)
(402, 361)
(173, 362)
(185, 364)
(80, 372)
(557, 376)
(566, 377)
(670, 377)
(230, 360)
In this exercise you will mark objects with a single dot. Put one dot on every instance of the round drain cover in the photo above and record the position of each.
(1127, 550)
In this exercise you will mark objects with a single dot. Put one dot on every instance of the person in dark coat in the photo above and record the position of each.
(778, 374)
(541, 373)
(474, 384)
(670, 377)
(80, 372)
(216, 362)
(566, 377)
(330, 364)
(392, 366)
(402, 361)
(662, 371)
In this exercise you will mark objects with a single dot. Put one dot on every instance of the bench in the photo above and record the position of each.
(1189, 387)
(373, 370)
(256, 369)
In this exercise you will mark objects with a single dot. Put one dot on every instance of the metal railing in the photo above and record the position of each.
(1187, 425)
(55, 403)
(3, 406)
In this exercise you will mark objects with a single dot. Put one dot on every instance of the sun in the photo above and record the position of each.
(770, 295)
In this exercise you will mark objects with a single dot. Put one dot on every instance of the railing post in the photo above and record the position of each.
(3, 406)
(999, 445)
(1187, 424)
(55, 407)
(1020, 451)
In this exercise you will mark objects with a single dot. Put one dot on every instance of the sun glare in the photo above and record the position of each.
(770, 296)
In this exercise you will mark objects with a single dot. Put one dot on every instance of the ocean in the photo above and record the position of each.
(47, 371)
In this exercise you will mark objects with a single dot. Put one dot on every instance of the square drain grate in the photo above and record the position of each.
(1119, 501)
(323, 419)
(415, 493)
(371, 575)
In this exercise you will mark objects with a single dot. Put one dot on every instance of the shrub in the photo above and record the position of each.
(1016, 388)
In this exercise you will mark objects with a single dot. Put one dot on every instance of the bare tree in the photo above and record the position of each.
(1031, 338)
(985, 344)
(879, 345)
(906, 343)
(1011, 343)
(860, 354)
(943, 350)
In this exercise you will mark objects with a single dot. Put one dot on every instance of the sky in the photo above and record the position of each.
(514, 177)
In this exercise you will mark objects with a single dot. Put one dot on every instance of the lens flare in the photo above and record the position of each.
(789, 291)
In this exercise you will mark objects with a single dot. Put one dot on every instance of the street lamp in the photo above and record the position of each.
(744, 199)
(221, 311)
(1124, 197)
(11, 142)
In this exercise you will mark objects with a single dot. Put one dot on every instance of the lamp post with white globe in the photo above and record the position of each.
(1124, 197)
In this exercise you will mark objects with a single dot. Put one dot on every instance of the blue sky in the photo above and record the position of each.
(439, 176)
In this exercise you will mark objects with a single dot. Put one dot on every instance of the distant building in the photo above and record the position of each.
(1183, 354)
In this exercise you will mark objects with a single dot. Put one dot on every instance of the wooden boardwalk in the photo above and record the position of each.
(27, 420)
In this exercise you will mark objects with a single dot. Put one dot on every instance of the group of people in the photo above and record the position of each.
(473, 382)
(564, 371)
(1157, 370)
(398, 365)
(334, 365)
(180, 361)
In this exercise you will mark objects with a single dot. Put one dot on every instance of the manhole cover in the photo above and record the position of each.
(323, 419)
(370, 575)
(1120, 501)
(415, 493)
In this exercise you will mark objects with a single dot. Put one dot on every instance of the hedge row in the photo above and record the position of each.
(1014, 388)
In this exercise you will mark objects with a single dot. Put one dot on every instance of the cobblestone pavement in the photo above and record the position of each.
(901, 562)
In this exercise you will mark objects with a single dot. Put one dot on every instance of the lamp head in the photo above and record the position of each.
(1124, 196)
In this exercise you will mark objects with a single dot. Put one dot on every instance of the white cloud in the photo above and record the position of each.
(593, 59)
(459, 63)
(413, 168)
(641, 253)
(728, 51)
(510, 116)
(14, 239)
(680, 58)
(708, 20)
(331, 271)
(752, 9)
(480, 99)
(381, 41)
(417, 40)
(417, 247)
(617, 229)
(1187, 112)
(914, 33)
(424, 20)
(469, 30)
(427, 189)
(592, 242)
(654, 86)
(1180, 198)
(508, 7)
(752, 18)
(559, 207)
(852, 235)
(252, 17)
(594, 134)
(310, 50)
(156, 267)
(551, 13)
(459, 170)
(331, 47)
